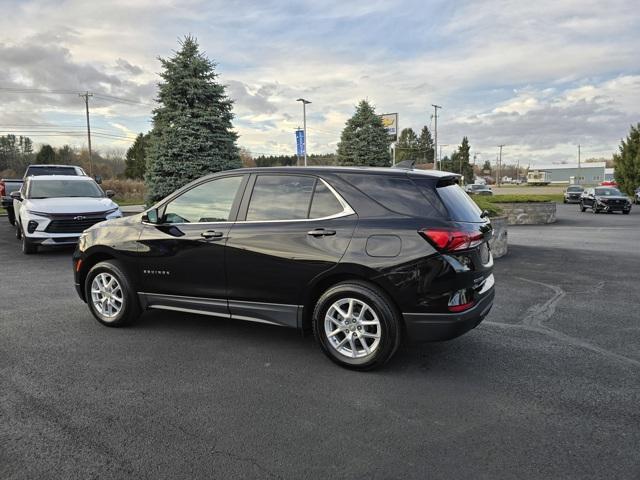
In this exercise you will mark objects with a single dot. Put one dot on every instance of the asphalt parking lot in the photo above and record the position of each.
(547, 387)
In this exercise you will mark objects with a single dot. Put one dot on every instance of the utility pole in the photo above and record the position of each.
(435, 149)
(579, 166)
(304, 125)
(500, 164)
(86, 96)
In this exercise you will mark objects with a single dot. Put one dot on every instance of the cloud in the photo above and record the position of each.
(540, 76)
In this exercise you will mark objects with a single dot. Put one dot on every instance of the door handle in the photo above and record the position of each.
(321, 232)
(211, 234)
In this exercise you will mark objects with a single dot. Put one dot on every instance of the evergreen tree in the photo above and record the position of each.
(426, 146)
(192, 133)
(463, 165)
(407, 147)
(46, 155)
(486, 167)
(627, 162)
(135, 159)
(364, 141)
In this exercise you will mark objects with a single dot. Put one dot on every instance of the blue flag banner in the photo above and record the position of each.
(300, 143)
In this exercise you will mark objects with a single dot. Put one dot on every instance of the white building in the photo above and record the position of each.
(586, 174)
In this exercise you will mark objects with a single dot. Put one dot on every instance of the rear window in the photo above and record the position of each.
(398, 194)
(574, 189)
(460, 206)
(36, 171)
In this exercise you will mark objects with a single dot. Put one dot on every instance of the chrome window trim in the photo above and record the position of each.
(346, 211)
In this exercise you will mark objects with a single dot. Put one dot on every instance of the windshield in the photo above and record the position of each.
(478, 187)
(64, 188)
(575, 189)
(608, 192)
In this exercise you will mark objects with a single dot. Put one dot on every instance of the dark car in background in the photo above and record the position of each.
(361, 256)
(573, 193)
(604, 199)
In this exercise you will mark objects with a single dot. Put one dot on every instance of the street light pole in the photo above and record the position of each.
(500, 164)
(435, 149)
(304, 125)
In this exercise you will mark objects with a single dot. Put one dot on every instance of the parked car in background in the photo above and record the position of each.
(8, 185)
(361, 256)
(573, 193)
(609, 183)
(478, 189)
(56, 209)
(636, 196)
(605, 199)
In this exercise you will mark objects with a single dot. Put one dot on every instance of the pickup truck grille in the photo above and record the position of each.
(75, 224)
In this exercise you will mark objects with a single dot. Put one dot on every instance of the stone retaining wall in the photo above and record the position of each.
(498, 241)
(534, 213)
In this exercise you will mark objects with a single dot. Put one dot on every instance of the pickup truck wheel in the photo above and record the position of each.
(356, 325)
(110, 296)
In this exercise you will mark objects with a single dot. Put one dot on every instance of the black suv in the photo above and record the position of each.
(605, 199)
(361, 256)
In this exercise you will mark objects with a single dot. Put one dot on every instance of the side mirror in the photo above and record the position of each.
(110, 193)
(98, 179)
(151, 216)
(16, 196)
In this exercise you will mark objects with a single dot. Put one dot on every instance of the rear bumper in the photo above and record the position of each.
(433, 327)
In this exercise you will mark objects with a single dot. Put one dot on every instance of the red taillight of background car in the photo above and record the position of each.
(2, 189)
(451, 240)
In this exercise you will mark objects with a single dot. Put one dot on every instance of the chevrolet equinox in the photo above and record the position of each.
(361, 256)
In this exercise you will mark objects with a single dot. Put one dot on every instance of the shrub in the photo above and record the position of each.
(126, 190)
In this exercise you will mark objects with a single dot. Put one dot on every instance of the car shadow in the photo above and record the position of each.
(285, 342)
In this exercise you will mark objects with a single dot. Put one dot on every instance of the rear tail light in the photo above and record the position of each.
(2, 189)
(451, 240)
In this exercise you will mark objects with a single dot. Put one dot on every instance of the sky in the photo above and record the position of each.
(539, 77)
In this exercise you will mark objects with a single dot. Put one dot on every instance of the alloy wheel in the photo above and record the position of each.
(106, 295)
(352, 328)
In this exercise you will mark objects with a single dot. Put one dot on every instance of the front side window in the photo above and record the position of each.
(208, 202)
(280, 197)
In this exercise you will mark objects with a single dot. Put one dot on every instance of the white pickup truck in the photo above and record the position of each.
(8, 185)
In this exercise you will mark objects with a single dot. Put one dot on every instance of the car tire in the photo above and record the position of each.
(18, 231)
(11, 216)
(564, 200)
(112, 303)
(595, 209)
(365, 321)
(28, 247)
(582, 207)
(626, 212)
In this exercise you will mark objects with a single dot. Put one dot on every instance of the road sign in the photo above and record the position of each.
(300, 143)
(390, 122)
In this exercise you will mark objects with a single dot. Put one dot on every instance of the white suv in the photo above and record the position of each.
(56, 209)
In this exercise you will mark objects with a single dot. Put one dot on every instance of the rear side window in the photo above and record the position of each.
(324, 203)
(460, 206)
(280, 197)
(398, 194)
